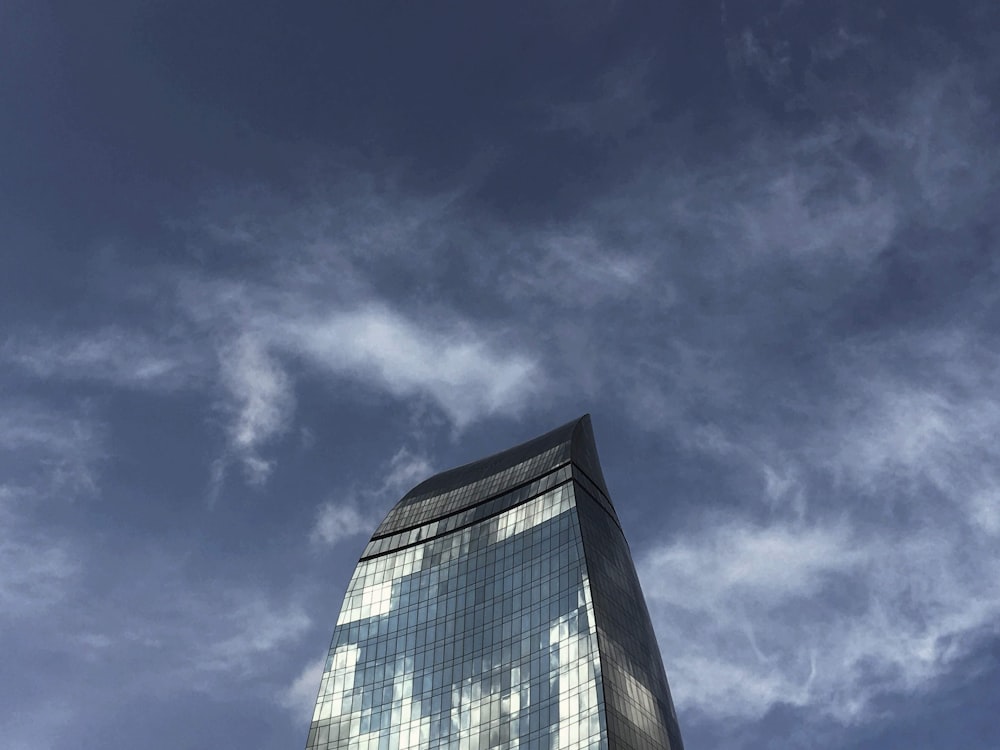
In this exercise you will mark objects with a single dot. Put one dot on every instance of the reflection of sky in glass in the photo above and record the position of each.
(478, 639)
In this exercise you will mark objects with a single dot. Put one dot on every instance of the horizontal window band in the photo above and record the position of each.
(488, 499)
(592, 492)
(472, 522)
(425, 508)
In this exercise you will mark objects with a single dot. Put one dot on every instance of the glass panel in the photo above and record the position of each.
(498, 609)
(482, 638)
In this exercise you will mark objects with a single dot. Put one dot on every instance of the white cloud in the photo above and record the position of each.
(464, 372)
(455, 366)
(261, 390)
(405, 470)
(868, 563)
(769, 564)
(917, 427)
(917, 433)
(261, 401)
(46, 456)
(873, 565)
(314, 310)
(825, 616)
(307, 297)
(256, 628)
(300, 696)
(801, 201)
(785, 215)
(341, 520)
(574, 268)
(696, 265)
(47, 451)
(36, 569)
(116, 355)
(200, 630)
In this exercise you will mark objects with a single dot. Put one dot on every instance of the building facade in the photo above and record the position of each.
(497, 606)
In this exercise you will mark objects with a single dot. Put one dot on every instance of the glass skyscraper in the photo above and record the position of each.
(497, 606)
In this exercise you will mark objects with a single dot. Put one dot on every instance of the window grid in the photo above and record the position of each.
(497, 606)
(636, 717)
(381, 545)
(418, 510)
(482, 638)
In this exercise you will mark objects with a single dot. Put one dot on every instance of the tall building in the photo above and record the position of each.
(497, 606)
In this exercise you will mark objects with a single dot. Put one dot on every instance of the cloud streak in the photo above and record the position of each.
(869, 613)
(47, 459)
(115, 355)
(873, 549)
(774, 336)
(454, 366)
(36, 570)
(800, 310)
(261, 402)
(48, 452)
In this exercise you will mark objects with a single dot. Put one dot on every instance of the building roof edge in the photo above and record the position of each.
(577, 434)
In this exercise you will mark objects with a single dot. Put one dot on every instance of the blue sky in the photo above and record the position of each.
(267, 266)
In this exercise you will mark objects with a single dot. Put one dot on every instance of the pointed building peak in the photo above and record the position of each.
(562, 436)
(584, 452)
(458, 578)
(573, 441)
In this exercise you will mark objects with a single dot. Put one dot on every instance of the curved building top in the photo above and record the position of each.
(466, 486)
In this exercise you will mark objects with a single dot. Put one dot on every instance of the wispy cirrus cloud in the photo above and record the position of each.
(47, 451)
(869, 611)
(824, 343)
(115, 355)
(317, 311)
(261, 402)
(689, 271)
(777, 286)
(723, 301)
(48, 457)
(37, 568)
(322, 298)
(300, 695)
(201, 632)
(452, 365)
(870, 542)
(253, 630)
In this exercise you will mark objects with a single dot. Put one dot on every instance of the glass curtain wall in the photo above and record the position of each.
(511, 620)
